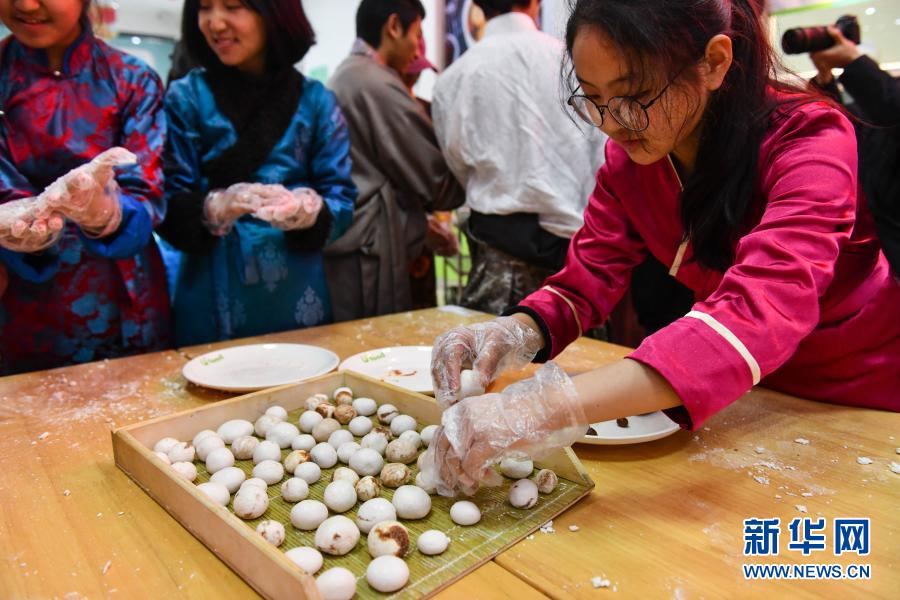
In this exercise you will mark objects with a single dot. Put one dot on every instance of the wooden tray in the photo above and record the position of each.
(264, 566)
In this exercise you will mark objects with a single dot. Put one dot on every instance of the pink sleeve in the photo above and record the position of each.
(768, 301)
(596, 274)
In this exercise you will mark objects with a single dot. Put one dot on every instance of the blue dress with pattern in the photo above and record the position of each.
(252, 282)
(82, 299)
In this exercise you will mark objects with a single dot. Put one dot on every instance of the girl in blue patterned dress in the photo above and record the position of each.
(85, 281)
(257, 174)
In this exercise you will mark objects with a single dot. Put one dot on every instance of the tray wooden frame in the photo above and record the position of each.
(261, 565)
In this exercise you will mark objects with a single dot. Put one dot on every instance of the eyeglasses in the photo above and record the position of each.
(628, 111)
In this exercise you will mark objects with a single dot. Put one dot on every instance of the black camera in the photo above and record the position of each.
(813, 39)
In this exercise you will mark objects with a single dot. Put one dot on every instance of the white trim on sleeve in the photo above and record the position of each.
(731, 339)
(569, 302)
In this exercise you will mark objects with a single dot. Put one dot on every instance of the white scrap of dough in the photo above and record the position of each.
(895, 468)
(800, 507)
(759, 449)
(802, 441)
(469, 384)
(864, 460)
(599, 582)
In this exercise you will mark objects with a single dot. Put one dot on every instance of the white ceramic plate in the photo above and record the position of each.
(408, 367)
(641, 428)
(259, 366)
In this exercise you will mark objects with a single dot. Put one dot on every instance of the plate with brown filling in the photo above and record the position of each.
(405, 366)
(630, 430)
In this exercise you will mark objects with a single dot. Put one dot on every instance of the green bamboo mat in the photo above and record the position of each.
(470, 546)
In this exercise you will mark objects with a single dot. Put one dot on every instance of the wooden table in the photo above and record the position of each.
(664, 521)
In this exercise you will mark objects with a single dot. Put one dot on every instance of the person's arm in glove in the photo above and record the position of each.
(89, 194)
(222, 208)
(490, 347)
(535, 416)
(292, 209)
(28, 225)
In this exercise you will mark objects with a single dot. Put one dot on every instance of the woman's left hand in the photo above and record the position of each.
(533, 416)
(297, 209)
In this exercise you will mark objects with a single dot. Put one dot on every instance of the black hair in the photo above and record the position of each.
(85, 18)
(289, 36)
(373, 14)
(493, 8)
(663, 40)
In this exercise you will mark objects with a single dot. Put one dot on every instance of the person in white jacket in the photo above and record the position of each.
(527, 167)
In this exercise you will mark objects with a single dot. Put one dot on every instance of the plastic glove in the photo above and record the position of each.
(491, 347)
(222, 208)
(29, 225)
(297, 209)
(89, 194)
(440, 239)
(532, 417)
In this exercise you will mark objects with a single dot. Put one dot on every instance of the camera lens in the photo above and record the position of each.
(806, 39)
(813, 39)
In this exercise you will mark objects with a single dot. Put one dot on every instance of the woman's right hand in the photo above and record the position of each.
(490, 347)
(531, 417)
(29, 226)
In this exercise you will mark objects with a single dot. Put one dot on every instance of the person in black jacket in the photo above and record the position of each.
(876, 101)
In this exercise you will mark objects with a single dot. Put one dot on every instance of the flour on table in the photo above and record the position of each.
(599, 582)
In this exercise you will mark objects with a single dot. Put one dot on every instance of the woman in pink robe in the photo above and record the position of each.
(747, 188)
